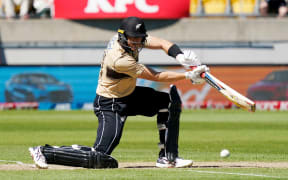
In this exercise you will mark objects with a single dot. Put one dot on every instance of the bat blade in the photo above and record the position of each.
(231, 94)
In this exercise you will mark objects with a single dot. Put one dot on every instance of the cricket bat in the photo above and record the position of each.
(231, 94)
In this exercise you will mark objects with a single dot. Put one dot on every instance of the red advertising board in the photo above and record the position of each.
(104, 9)
(240, 78)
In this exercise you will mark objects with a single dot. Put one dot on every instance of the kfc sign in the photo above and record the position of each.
(100, 9)
(120, 6)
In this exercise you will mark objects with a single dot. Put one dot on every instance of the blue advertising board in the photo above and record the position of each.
(55, 87)
(58, 84)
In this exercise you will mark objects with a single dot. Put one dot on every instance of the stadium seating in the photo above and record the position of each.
(244, 6)
(193, 6)
(209, 7)
(214, 6)
(224, 7)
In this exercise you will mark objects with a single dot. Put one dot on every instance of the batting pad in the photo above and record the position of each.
(171, 146)
(79, 157)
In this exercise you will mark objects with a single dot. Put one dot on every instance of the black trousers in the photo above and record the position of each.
(112, 113)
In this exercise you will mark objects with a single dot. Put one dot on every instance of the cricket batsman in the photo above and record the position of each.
(118, 97)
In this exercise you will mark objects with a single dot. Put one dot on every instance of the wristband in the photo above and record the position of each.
(174, 50)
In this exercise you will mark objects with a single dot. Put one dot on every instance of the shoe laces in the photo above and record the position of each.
(38, 155)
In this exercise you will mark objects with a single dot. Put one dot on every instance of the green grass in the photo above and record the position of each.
(162, 174)
(260, 136)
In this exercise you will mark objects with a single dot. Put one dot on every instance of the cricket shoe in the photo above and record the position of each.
(38, 157)
(181, 163)
(163, 162)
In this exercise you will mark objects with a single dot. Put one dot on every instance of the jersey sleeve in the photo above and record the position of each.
(128, 66)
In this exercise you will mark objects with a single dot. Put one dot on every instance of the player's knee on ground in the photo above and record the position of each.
(79, 156)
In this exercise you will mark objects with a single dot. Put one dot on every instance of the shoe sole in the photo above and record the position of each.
(185, 166)
(172, 166)
(36, 164)
(159, 165)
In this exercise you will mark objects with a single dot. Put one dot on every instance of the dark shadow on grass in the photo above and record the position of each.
(209, 166)
(139, 167)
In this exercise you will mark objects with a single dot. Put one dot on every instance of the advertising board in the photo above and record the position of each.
(75, 86)
(103, 9)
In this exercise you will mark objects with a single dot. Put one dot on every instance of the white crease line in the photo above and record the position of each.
(239, 174)
(17, 162)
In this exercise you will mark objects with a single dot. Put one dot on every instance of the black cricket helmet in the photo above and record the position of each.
(131, 27)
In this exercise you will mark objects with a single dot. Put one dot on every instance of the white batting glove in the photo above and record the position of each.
(195, 74)
(188, 59)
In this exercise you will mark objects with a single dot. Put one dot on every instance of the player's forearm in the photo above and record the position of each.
(169, 76)
(166, 76)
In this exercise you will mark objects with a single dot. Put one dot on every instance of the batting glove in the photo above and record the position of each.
(195, 74)
(188, 59)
